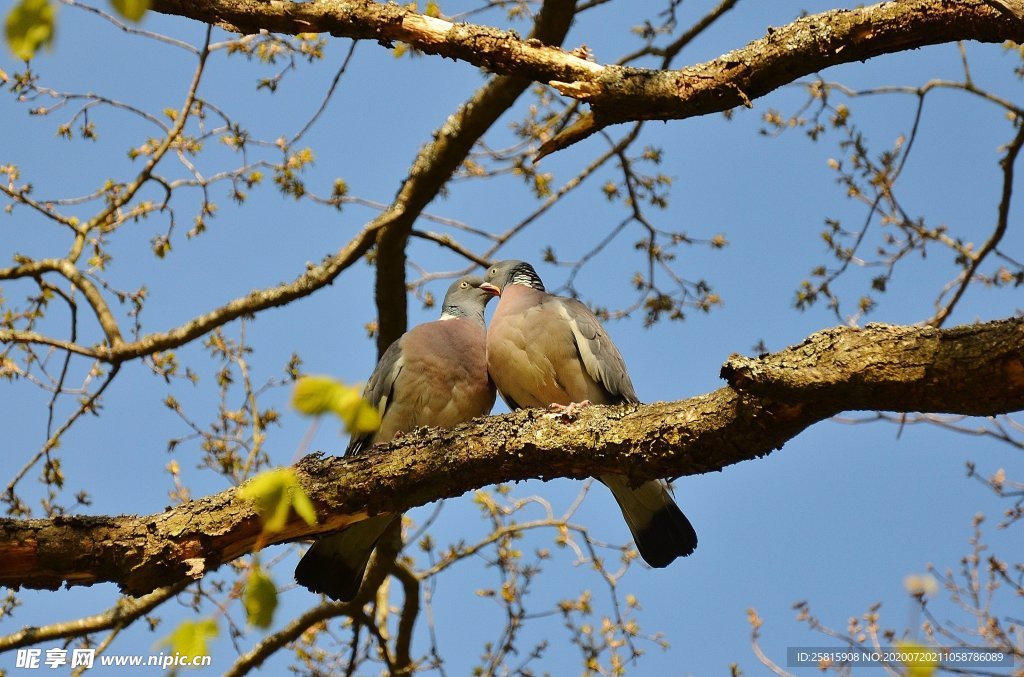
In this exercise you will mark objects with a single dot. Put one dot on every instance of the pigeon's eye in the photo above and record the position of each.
(465, 285)
(494, 271)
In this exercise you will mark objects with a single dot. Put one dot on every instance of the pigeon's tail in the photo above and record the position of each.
(660, 529)
(335, 564)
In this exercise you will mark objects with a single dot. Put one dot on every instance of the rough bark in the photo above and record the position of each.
(977, 370)
(618, 93)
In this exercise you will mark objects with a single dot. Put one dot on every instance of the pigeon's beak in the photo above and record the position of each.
(490, 289)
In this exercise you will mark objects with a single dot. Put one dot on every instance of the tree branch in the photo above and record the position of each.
(975, 370)
(407, 619)
(805, 46)
(314, 278)
(389, 230)
(434, 166)
(31, 337)
(124, 612)
(618, 93)
(256, 656)
(1008, 164)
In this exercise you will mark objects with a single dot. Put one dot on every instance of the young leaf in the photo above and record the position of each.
(316, 395)
(360, 416)
(133, 10)
(275, 493)
(302, 506)
(260, 599)
(190, 637)
(30, 26)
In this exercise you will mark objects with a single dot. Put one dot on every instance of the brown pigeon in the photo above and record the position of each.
(546, 350)
(434, 375)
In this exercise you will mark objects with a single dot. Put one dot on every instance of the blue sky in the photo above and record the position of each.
(838, 517)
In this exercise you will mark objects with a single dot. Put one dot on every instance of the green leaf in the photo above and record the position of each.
(190, 637)
(30, 26)
(133, 10)
(316, 395)
(260, 599)
(360, 417)
(275, 493)
(302, 506)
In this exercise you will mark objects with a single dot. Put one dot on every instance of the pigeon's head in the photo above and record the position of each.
(506, 273)
(466, 298)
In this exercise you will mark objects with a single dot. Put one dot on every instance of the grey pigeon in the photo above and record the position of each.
(433, 375)
(544, 349)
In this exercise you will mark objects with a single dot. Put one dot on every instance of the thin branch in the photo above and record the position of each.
(59, 386)
(31, 337)
(1008, 163)
(123, 197)
(448, 242)
(121, 614)
(567, 187)
(314, 278)
(87, 406)
(270, 644)
(50, 213)
(99, 305)
(327, 97)
(407, 620)
(132, 30)
(673, 48)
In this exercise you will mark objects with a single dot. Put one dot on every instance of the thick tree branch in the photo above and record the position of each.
(619, 93)
(503, 52)
(975, 370)
(805, 46)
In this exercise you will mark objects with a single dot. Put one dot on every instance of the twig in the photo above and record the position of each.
(121, 614)
(1008, 162)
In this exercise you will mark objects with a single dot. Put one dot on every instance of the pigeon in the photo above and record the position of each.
(545, 350)
(434, 375)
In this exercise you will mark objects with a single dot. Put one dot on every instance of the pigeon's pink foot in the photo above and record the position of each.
(567, 412)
